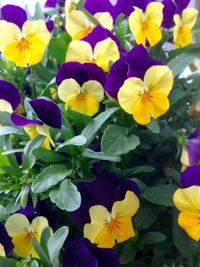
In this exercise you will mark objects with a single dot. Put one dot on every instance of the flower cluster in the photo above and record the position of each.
(93, 115)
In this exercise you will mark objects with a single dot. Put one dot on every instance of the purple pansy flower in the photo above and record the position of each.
(135, 64)
(9, 93)
(52, 3)
(13, 14)
(105, 190)
(5, 240)
(193, 147)
(191, 176)
(88, 255)
(47, 111)
(81, 73)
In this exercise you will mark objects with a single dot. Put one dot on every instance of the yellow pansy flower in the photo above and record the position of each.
(146, 26)
(104, 52)
(34, 130)
(183, 27)
(22, 232)
(84, 99)
(107, 228)
(187, 202)
(24, 47)
(148, 98)
(78, 25)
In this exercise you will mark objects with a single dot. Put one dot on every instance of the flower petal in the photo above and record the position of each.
(83, 55)
(39, 224)
(190, 223)
(16, 224)
(154, 13)
(68, 89)
(14, 14)
(191, 176)
(18, 120)
(93, 89)
(189, 17)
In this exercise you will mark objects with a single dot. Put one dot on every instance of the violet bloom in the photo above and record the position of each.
(53, 3)
(105, 190)
(48, 114)
(5, 240)
(82, 253)
(135, 64)
(191, 176)
(9, 97)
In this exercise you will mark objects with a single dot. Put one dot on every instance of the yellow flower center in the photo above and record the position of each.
(81, 98)
(23, 44)
(145, 26)
(113, 225)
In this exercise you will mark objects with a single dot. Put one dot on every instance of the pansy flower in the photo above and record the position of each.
(49, 115)
(146, 25)
(107, 217)
(145, 93)
(9, 97)
(89, 255)
(52, 3)
(22, 232)
(81, 86)
(22, 41)
(81, 27)
(191, 152)
(6, 245)
(102, 54)
(183, 27)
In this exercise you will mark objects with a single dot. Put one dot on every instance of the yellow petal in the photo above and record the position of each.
(22, 245)
(79, 51)
(68, 89)
(154, 13)
(2, 251)
(130, 93)
(184, 156)
(159, 78)
(31, 130)
(190, 223)
(136, 21)
(125, 230)
(158, 104)
(16, 224)
(84, 103)
(127, 207)
(93, 89)
(39, 224)
(99, 217)
(189, 17)
(153, 34)
(37, 29)
(44, 130)
(78, 24)
(182, 36)
(9, 33)
(70, 5)
(105, 52)
(177, 20)
(188, 199)
(5, 106)
(105, 19)
(141, 112)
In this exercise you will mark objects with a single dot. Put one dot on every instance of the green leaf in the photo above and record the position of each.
(28, 159)
(48, 156)
(57, 49)
(66, 197)
(139, 169)
(6, 262)
(49, 177)
(4, 161)
(88, 153)
(41, 253)
(92, 128)
(145, 217)
(78, 140)
(153, 126)
(55, 244)
(115, 141)
(153, 237)
(161, 194)
(5, 130)
(128, 252)
(12, 207)
(179, 63)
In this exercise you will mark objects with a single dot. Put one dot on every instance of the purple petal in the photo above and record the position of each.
(80, 72)
(181, 4)
(47, 111)
(139, 62)
(193, 146)
(116, 77)
(50, 25)
(124, 7)
(5, 240)
(105, 257)
(168, 13)
(29, 210)
(52, 3)
(98, 6)
(128, 185)
(142, 3)
(191, 176)
(14, 14)
(18, 120)
(9, 93)
(77, 254)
